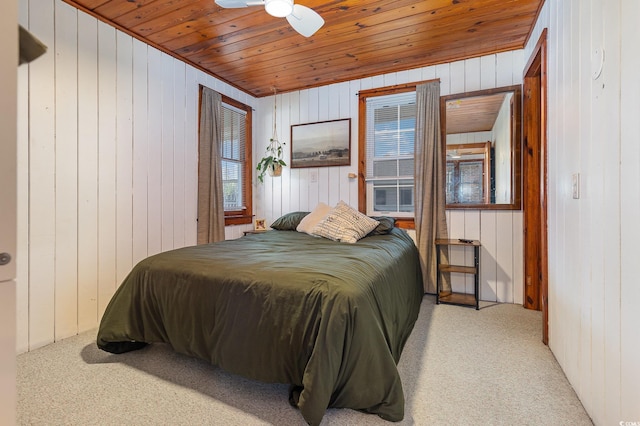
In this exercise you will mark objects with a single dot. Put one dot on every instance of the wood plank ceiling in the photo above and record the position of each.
(475, 114)
(256, 52)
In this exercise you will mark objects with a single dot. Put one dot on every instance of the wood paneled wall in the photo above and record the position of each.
(107, 166)
(593, 130)
(301, 189)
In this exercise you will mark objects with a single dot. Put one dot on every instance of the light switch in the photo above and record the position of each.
(313, 176)
(576, 186)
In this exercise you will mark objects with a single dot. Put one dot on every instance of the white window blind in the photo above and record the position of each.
(390, 142)
(233, 157)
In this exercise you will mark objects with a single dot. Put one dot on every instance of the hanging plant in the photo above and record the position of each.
(272, 161)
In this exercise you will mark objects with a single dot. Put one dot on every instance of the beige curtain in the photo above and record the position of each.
(430, 219)
(210, 195)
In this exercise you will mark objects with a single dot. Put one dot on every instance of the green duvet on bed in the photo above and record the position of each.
(329, 318)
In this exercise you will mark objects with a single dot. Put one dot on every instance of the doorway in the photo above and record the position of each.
(534, 175)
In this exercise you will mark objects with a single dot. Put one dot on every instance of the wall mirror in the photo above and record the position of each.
(482, 135)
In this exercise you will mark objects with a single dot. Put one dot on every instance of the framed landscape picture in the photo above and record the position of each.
(321, 144)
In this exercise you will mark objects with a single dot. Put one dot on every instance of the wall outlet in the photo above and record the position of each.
(575, 186)
(313, 176)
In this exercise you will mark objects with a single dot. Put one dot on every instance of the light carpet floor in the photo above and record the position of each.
(459, 367)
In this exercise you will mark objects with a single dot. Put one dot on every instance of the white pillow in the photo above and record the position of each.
(312, 219)
(345, 224)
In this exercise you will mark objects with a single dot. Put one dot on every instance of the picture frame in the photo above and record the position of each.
(260, 225)
(321, 144)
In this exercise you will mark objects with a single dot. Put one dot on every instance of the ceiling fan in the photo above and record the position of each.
(304, 20)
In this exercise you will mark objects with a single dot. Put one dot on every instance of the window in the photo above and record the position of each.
(465, 182)
(235, 153)
(233, 145)
(387, 144)
(468, 176)
(236, 161)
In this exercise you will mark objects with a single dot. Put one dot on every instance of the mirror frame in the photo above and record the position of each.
(516, 145)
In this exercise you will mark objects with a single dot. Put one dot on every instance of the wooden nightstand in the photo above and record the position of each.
(463, 299)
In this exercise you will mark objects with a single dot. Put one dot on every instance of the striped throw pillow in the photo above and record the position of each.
(344, 224)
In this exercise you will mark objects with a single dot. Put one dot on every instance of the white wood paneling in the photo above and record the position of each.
(166, 152)
(593, 291)
(293, 192)
(630, 205)
(583, 287)
(284, 120)
(518, 258)
(352, 91)
(472, 74)
(179, 152)
(42, 182)
(108, 166)
(124, 155)
(154, 152)
(66, 172)
(489, 256)
(610, 363)
(457, 77)
(504, 253)
(140, 150)
(277, 184)
(487, 72)
(190, 144)
(87, 172)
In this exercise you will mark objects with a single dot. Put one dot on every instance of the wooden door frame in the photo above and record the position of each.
(535, 80)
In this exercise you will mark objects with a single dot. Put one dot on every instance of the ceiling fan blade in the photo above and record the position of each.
(233, 4)
(304, 20)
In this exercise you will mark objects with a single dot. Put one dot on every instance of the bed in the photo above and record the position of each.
(328, 318)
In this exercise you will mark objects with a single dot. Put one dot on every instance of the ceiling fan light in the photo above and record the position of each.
(279, 8)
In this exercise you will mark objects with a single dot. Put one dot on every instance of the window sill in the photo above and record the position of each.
(405, 223)
(237, 220)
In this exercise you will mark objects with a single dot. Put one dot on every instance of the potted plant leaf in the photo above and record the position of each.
(272, 161)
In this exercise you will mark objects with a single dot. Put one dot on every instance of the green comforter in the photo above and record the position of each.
(329, 318)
